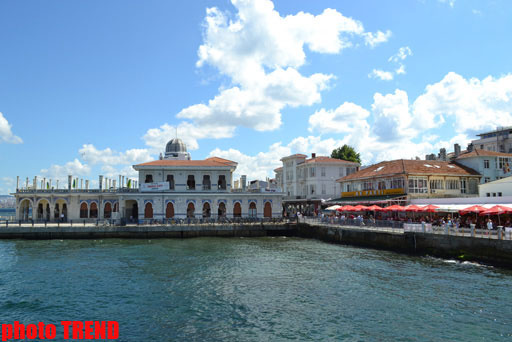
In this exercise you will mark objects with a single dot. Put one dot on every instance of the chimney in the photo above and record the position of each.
(470, 147)
(456, 149)
(313, 155)
(442, 154)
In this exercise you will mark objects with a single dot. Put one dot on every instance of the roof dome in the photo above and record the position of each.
(175, 145)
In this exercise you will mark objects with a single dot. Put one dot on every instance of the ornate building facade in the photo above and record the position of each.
(172, 187)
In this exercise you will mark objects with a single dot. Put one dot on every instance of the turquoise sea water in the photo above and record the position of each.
(258, 289)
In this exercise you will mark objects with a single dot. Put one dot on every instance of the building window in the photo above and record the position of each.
(221, 183)
(207, 184)
(312, 172)
(368, 185)
(488, 194)
(149, 179)
(452, 184)
(323, 171)
(418, 185)
(347, 188)
(493, 194)
(397, 183)
(382, 185)
(323, 189)
(341, 172)
(463, 186)
(486, 163)
(170, 180)
(487, 179)
(312, 189)
(191, 182)
(500, 194)
(481, 147)
(436, 184)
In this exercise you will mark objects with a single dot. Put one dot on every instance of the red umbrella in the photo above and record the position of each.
(429, 208)
(346, 208)
(497, 210)
(395, 207)
(413, 207)
(374, 208)
(473, 209)
(360, 208)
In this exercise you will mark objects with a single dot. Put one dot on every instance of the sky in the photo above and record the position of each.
(92, 87)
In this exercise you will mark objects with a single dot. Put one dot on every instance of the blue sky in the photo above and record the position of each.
(93, 87)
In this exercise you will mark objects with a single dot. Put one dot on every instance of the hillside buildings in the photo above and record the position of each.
(175, 186)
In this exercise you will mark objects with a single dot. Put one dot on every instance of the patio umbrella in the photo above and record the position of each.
(473, 209)
(333, 207)
(497, 210)
(360, 208)
(394, 207)
(346, 208)
(413, 208)
(429, 208)
(374, 208)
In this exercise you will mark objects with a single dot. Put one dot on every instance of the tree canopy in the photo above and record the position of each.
(346, 153)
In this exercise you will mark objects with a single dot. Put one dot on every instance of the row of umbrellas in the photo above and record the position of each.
(496, 210)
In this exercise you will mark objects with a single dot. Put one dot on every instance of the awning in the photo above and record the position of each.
(367, 199)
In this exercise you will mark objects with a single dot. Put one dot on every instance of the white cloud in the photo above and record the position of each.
(6, 134)
(346, 118)
(451, 3)
(475, 104)
(392, 119)
(261, 51)
(381, 74)
(61, 172)
(373, 40)
(93, 156)
(401, 55)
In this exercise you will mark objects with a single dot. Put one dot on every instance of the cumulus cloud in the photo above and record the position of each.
(61, 172)
(347, 118)
(261, 51)
(6, 134)
(93, 156)
(399, 66)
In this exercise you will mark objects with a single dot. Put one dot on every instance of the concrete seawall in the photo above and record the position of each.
(488, 251)
(144, 232)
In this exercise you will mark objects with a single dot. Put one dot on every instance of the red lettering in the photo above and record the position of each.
(19, 331)
(78, 330)
(113, 330)
(6, 332)
(100, 330)
(40, 326)
(88, 330)
(50, 331)
(66, 325)
(31, 331)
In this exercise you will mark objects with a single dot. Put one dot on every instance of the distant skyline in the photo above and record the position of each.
(93, 87)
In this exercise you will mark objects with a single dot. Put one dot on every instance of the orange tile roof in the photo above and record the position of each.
(405, 166)
(484, 153)
(212, 161)
(278, 169)
(321, 159)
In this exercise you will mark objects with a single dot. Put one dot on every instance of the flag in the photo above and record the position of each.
(129, 183)
(47, 185)
(74, 185)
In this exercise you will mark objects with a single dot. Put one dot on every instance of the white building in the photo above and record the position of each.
(499, 140)
(172, 187)
(498, 188)
(309, 181)
(490, 164)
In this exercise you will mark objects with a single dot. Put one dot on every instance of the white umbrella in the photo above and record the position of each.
(333, 207)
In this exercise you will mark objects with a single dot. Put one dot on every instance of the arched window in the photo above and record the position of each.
(237, 210)
(191, 182)
(190, 210)
(221, 212)
(252, 210)
(169, 210)
(93, 211)
(116, 207)
(148, 210)
(207, 185)
(84, 211)
(206, 210)
(107, 211)
(267, 210)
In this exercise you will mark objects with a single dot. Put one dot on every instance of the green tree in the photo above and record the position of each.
(346, 153)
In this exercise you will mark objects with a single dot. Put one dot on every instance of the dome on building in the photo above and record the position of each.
(175, 145)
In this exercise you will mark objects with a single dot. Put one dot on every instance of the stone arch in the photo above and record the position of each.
(131, 210)
(206, 210)
(252, 210)
(190, 210)
(107, 210)
(169, 210)
(267, 210)
(93, 210)
(148, 210)
(43, 210)
(84, 210)
(26, 209)
(221, 212)
(61, 209)
(237, 210)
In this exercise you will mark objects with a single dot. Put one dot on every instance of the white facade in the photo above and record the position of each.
(169, 188)
(499, 140)
(313, 178)
(498, 188)
(491, 165)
